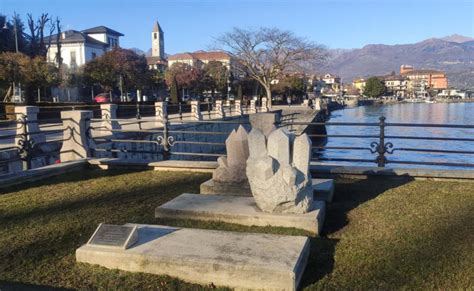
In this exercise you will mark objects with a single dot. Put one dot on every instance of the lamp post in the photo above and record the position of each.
(228, 86)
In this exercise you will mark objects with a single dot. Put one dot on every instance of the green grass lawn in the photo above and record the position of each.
(378, 234)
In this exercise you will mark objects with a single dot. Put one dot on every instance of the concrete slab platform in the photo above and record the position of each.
(234, 189)
(323, 189)
(238, 210)
(237, 260)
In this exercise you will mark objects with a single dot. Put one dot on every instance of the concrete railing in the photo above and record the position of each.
(72, 137)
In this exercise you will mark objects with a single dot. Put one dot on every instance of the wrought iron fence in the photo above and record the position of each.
(18, 143)
(167, 140)
(383, 146)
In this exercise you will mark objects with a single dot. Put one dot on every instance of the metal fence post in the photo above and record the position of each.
(25, 145)
(166, 146)
(209, 103)
(381, 159)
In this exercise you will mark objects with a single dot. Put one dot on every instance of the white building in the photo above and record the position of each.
(79, 47)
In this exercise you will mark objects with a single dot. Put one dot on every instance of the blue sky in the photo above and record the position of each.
(193, 25)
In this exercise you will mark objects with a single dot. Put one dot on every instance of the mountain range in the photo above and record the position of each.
(453, 54)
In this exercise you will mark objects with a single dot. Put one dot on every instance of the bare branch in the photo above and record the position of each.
(268, 53)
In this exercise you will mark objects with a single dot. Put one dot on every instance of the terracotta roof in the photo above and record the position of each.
(394, 78)
(201, 55)
(155, 61)
(423, 72)
(181, 56)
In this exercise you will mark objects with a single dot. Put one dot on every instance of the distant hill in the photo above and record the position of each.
(453, 54)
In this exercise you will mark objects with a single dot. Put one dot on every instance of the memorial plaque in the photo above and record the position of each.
(116, 236)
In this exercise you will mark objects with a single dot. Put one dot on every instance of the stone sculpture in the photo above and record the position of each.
(231, 169)
(278, 171)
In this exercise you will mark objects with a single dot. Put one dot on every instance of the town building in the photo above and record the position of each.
(333, 82)
(396, 85)
(359, 84)
(200, 58)
(157, 60)
(79, 47)
(434, 79)
(455, 94)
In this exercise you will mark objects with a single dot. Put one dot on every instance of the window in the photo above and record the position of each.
(94, 55)
(73, 57)
(155, 35)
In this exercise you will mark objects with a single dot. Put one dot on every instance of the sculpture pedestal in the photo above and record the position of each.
(239, 210)
(211, 187)
(323, 189)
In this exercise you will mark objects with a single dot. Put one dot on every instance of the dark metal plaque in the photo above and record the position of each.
(113, 236)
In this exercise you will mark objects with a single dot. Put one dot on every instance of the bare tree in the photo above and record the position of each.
(267, 53)
(37, 35)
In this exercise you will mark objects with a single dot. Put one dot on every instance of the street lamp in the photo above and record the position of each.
(228, 85)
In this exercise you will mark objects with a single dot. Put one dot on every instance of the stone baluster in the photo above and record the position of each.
(219, 109)
(28, 115)
(108, 114)
(77, 144)
(253, 107)
(196, 110)
(29, 137)
(161, 113)
(238, 107)
(317, 104)
(264, 107)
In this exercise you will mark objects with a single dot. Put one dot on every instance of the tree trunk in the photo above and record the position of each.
(268, 90)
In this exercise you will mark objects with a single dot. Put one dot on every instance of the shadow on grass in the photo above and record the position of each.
(76, 176)
(126, 197)
(350, 194)
(15, 286)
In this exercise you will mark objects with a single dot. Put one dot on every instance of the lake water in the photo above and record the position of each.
(438, 113)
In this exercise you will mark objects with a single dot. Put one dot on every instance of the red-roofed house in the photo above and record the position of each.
(200, 58)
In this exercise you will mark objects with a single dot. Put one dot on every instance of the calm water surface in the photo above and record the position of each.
(438, 113)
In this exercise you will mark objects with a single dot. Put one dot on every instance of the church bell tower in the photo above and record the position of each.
(158, 42)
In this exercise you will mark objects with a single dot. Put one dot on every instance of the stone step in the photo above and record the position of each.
(236, 260)
(239, 210)
(323, 189)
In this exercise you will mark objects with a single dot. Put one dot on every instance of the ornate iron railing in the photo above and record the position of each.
(384, 146)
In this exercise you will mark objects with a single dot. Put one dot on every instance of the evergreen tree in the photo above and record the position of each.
(174, 92)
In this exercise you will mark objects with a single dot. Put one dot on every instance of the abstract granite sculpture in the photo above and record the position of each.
(231, 169)
(278, 171)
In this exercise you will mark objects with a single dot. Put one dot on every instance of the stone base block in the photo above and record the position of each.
(239, 210)
(323, 189)
(236, 260)
(234, 189)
